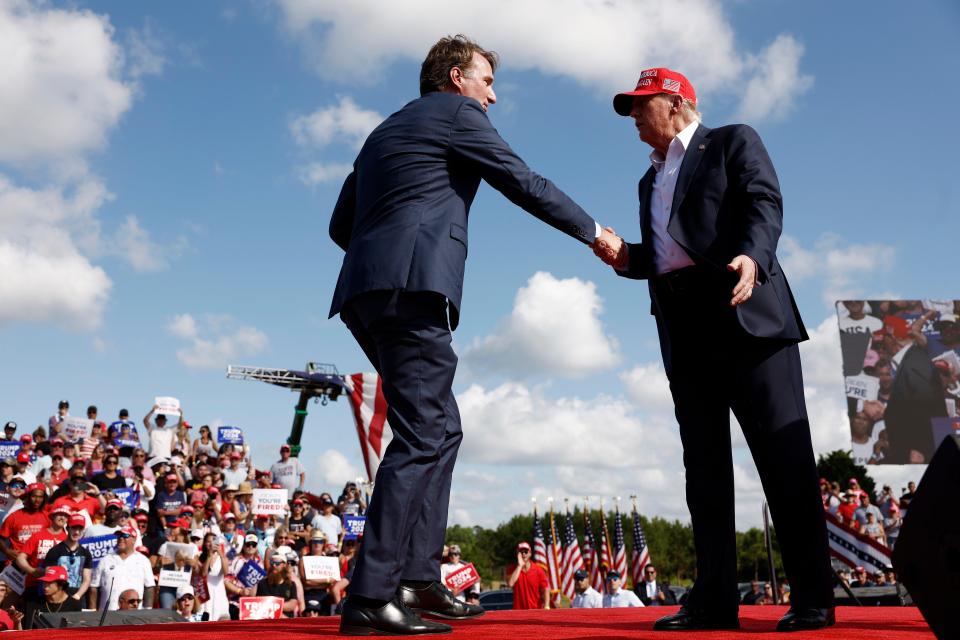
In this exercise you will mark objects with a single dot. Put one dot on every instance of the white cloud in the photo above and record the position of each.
(133, 242)
(332, 470)
(218, 344)
(777, 82)
(836, 265)
(317, 173)
(648, 387)
(602, 45)
(342, 122)
(548, 313)
(145, 52)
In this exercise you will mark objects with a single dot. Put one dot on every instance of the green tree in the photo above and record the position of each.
(838, 466)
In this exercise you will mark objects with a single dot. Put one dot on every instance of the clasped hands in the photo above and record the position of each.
(611, 248)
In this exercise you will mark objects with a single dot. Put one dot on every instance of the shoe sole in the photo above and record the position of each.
(351, 630)
(444, 616)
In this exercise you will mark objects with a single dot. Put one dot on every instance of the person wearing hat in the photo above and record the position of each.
(399, 292)
(75, 559)
(317, 590)
(124, 569)
(585, 596)
(81, 496)
(288, 472)
(615, 596)
(186, 604)
(20, 525)
(63, 410)
(161, 437)
(710, 219)
(25, 463)
(278, 583)
(916, 397)
(455, 563)
(528, 581)
(31, 559)
(9, 431)
(327, 521)
(112, 513)
(236, 472)
(55, 597)
(170, 499)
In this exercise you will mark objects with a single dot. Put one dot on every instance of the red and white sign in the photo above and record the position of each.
(463, 578)
(261, 608)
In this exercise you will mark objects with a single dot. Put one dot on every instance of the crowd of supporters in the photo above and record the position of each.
(159, 498)
(855, 508)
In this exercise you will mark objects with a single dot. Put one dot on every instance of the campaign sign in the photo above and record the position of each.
(99, 547)
(75, 429)
(353, 526)
(13, 578)
(171, 549)
(120, 442)
(251, 573)
(321, 568)
(173, 578)
(230, 435)
(130, 497)
(9, 448)
(261, 608)
(270, 502)
(862, 387)
(464, 577)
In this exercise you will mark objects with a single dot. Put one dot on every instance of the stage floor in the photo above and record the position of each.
(875, 623)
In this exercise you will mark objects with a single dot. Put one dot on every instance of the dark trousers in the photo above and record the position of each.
(407, 338)
(714, 367)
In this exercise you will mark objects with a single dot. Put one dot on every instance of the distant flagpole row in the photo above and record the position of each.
(557, 549)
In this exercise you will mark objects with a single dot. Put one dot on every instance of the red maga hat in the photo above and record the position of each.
(652, 82)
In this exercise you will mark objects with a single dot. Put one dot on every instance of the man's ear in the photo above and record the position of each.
(455, 78)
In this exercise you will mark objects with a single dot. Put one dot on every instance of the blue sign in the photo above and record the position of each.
(9, 448)
(129, 497)
(251, 573)
(99, 547)
(230, 435)
(120, 442)
(353, 526)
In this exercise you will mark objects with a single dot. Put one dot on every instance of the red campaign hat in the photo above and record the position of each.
(276, 485)
(172, 476)
(61, 508)
(213, 491)
(77, 520)
(54, 573)
(652, 82)
(897, 327)
(26, 438)
(141, 517)
(186, 509)
(36, 486)
(114, 502)
(23, 456)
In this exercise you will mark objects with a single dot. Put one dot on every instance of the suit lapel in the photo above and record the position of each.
(645, 191)
(691, 160)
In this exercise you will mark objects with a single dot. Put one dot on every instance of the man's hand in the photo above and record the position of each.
(747, 269)
(610, 248)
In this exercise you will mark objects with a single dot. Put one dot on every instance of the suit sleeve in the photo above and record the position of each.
(639, 260)
(474, 140)
(759, 195)
(341, 222)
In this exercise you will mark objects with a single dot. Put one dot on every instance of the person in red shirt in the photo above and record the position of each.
(30, 560)
(23, 523)
(847, 509)
(83, 496)
(528, 581)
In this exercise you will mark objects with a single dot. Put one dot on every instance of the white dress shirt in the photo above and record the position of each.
(622, 598)
(667, 254)
(589, 599)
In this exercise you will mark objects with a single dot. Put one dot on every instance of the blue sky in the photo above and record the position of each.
(166, 179)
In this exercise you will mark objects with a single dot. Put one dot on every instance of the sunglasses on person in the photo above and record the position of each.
(135, 601)
(277, 563)
(18, 485)
(524, 552)
(186, 596)
(249, 544)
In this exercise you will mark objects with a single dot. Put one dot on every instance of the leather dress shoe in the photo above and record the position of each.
(437, 600)
(804, 618)
(688, 620)
(392, 619)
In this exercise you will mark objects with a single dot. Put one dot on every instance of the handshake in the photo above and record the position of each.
(611, 248)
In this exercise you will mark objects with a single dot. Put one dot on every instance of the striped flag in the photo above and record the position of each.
(370, 414)
(619, 547)
(590, 554)
(606, 557)
(572, 559)
(552, 543)
(539, 548)
(641, 556)
(854, 548)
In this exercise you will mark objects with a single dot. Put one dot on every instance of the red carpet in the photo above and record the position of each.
(875, 623)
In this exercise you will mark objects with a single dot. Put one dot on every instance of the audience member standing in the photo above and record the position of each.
(288, 472)
(528, 581)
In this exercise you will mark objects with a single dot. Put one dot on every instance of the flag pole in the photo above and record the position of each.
(768, 540)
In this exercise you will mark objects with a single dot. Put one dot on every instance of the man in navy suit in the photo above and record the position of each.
(710, 218)
(401, 218)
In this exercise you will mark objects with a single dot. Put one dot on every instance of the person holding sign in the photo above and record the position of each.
(161, 438)
(455, 564)
(278, 583)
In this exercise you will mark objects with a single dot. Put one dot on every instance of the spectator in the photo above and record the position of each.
(55, 474)
(327, 522)
(81, 496)
(847, 510)
(14, 488)
(24, 463)
(861, 578)
(586, 597)
(129, 599)
(754, 596)
(278, 583)
(123, 569)
(890, 576)
(170, 501)
(783, 591)
(653, 593)
(767, 594)
(56, 598)
(528, 581)
(236, 473)
(287, 471)
(879, 578)
(455, 564)
(20, 525)
(181, 442)
(317, 590)
(73, 558)
(213, 565)
(298, 525)
(865, 508)
(161, 438)
(243, 504)
(616, 597)
(9, 431)
(111, 521)
(98, 425)
(185, 604)
(31, 558)
(874, 529)
(204, 443)
(854, 488)
(351, 501)
(63, 410)
(110, 477)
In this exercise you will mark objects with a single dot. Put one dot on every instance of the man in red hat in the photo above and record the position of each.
(288, 472)
(528, 581)
(710, 218)
(75, 559)
(21, 524)
(32, 556)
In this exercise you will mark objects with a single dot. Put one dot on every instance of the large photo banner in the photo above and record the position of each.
(901, 371)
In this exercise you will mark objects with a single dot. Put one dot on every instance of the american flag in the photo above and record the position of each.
(554, 552)
(370, 414)
(854, 548)
(590, 554)
(539, 548)
(572, 560)
(641, 556)
(619, 547)
(606, 557)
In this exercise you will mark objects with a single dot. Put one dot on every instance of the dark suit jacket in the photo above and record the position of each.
(915, 398)
(402, 213)
(727, 203)
(668, 596)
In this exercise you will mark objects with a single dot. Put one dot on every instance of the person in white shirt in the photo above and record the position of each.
(161, 438)
(124, 569)
(586, 597)
(616, 597)
(288, 472)
(327, 522)
(453, 552)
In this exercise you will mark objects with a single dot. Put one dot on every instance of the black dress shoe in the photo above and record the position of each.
(437, 600)
(392, 619)
(686, 619)
(804, 618)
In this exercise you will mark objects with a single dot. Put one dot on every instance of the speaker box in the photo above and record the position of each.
(113, 618)
(927, 554)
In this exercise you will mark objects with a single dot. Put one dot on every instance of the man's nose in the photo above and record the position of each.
(492, 97)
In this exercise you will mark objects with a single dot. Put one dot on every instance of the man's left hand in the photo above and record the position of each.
(747, 270)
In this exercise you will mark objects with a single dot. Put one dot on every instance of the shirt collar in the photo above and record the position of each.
(683, 139)
(898, 358)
